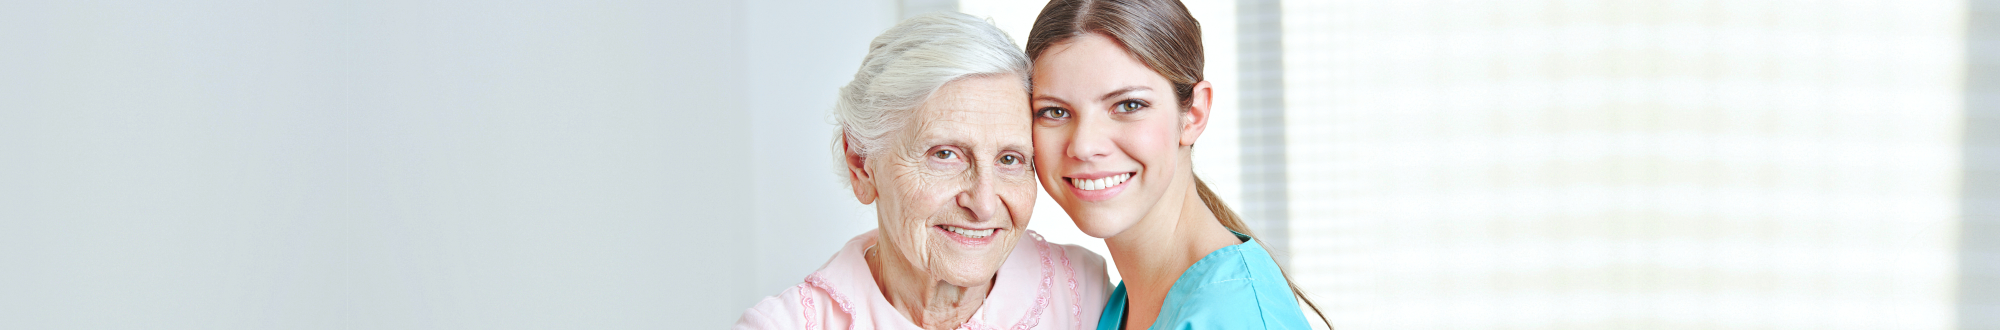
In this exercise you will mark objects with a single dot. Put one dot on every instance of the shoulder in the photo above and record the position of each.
(1088, 268)
(1082, 260)
(787, 310)
(803, 306)
(1238, 286)
(1080, 283)
(1235, 304)
(815, 304)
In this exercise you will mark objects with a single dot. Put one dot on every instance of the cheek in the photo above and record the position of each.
(1020, 199)
(1049, 143)
(912, 208)
(919, 205)
(1152, 141)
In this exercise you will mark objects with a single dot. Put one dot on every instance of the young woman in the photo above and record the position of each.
(1118, 102)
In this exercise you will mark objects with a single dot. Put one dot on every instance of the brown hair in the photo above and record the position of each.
(1162, 34)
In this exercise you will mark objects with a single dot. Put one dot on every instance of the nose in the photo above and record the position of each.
(980, 199)
(1088, 141)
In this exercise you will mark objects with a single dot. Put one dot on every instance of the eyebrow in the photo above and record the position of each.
(1122, 91)
(1107, 96)
(1021, 148)
(933, 141)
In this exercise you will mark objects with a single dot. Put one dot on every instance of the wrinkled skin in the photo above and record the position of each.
(962, 161)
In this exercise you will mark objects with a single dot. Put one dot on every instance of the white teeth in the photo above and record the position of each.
(1101, 183)
(982, 233)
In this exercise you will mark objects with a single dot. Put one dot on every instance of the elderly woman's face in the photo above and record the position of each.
(956, 184)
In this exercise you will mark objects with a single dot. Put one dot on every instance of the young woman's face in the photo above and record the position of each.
(1107, 132)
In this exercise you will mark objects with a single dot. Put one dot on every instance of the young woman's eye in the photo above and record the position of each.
(1129, 106)
(1053, 113)
(945, 154)
(1009, 160)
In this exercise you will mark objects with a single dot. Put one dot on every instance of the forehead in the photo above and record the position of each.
(981, 108)
(1089, 64)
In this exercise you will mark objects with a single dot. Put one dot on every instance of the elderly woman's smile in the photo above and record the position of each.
(970, 234)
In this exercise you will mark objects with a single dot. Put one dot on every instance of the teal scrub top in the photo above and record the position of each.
(1236, 287)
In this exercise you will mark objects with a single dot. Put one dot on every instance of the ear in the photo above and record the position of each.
(858, 175)
(1196, 118)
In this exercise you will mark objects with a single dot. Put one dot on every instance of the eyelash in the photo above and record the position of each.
(949, 154)
(1136, 104)
(1045, 113)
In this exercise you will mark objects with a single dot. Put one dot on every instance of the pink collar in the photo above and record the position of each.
(1019, 298)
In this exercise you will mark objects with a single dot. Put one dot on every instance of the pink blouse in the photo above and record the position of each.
(1042, 285)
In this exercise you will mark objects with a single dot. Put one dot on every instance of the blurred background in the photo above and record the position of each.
(1535, 164)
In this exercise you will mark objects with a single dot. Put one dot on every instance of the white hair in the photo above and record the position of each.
(909, 62)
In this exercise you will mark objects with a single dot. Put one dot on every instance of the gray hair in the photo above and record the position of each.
(909, 62)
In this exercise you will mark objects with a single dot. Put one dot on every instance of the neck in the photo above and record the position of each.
(925, 299)
(1173, 235)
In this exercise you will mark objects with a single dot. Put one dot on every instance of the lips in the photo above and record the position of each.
(968, 236)
(1097, 187)
(1100, 183)
(972, 233)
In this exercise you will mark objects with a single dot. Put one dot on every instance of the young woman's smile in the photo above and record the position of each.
(1096, 187)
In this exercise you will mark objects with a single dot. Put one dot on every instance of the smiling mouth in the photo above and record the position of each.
(971, 233)
(1100, 183)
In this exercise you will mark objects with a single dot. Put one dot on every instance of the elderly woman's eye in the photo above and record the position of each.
(944, 154)
(1130, 106)
(1053, 113)
(1009, 160)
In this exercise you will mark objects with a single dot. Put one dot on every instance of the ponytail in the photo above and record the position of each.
(1235, 223)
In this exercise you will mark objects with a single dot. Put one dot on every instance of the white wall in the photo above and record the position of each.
(417, 165)
(1978, 291)
(1627, 164)
(800, 53)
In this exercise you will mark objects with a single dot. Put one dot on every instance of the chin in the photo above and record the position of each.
(1097, 230)
(971, 276)
(1100, 223)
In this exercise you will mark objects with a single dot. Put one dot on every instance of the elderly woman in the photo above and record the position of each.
(934, 130)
